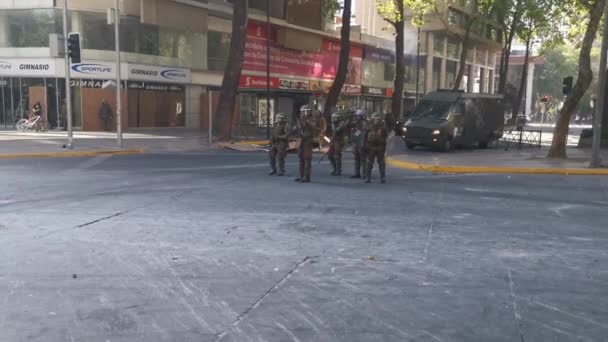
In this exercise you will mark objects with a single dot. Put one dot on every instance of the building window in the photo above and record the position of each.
(31, 28)
(455, 18)
(96, 33)
(453, 48)
(438, 44)
(218, 49)
(389, 72)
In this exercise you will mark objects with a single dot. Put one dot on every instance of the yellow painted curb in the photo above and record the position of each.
(253, 142)
(70, 154)
(491, 169)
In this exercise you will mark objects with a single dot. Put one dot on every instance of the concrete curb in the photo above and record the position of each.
(491, 169)
(71, 154)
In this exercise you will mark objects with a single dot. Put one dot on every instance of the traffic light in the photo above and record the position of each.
(567, 85)
(74, 47)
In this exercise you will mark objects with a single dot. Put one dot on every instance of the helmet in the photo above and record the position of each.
(306, 109)
(280, 118)
(335, 117)
(360, 113)
(306, 112)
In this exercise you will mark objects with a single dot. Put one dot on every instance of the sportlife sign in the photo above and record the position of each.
(94, 70)
(159, 74)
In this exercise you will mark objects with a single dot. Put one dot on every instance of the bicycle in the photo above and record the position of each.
(24, 125)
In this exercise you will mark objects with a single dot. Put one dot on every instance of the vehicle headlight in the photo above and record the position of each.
(436, 132)
(404, 129)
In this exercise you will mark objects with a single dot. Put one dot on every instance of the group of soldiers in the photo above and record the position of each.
(368, 141)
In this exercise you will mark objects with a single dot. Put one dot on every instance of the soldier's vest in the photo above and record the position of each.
(358, 134)
(377, 137)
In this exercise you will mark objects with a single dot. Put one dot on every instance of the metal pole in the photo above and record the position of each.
(118, 76)
(68, 80)
(418, 67)
(210, 100)
(596, 160)
(267, 69)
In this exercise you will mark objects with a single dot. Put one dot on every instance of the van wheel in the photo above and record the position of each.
(447, 145)
(483, 144)
(410, 146)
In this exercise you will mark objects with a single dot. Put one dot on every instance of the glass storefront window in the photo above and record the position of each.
(248, 109)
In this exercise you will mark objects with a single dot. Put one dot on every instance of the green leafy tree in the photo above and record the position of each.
(508, 15)
(583, 16)
(536, 22)
(478, 10)
(394, 13)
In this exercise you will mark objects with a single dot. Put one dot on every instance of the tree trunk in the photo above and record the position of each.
(336, 87)
(397, 99)
(506, 53)
(232, 72)
(463, 56)
(523, 81)
(585, 76)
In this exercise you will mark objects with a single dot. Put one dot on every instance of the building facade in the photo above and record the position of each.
(174, 53)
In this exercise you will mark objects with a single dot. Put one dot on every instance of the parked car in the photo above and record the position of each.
(446, 118)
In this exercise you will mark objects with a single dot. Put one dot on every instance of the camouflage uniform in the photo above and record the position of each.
(278, 146)
(358, 136)
(339, 129)
(376, 140)
(306, 129)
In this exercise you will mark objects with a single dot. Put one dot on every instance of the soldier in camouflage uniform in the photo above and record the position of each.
(339, 131)
(376, 147)
(358, 136)
(278, 145)
(306, 129)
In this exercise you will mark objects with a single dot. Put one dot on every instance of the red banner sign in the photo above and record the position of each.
(257, 82)
(297, 63)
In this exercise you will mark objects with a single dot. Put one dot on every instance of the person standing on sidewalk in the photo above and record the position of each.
(339, 128)
(358, 136)
(376, 140)
(278, 145)
(306, 129)
(105, 114)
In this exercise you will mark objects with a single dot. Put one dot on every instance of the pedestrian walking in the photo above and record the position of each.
(376, 147)
(105, 114)
(278, 145)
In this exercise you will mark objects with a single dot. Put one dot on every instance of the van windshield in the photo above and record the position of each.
(432, 109)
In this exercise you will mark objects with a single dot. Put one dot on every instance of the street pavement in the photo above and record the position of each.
(208, 247)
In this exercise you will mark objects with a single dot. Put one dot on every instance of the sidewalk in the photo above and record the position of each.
(14, 143)
(494, 160)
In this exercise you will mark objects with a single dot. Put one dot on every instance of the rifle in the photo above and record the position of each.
(329, 149)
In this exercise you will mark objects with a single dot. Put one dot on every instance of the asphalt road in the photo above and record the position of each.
(207, 247)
